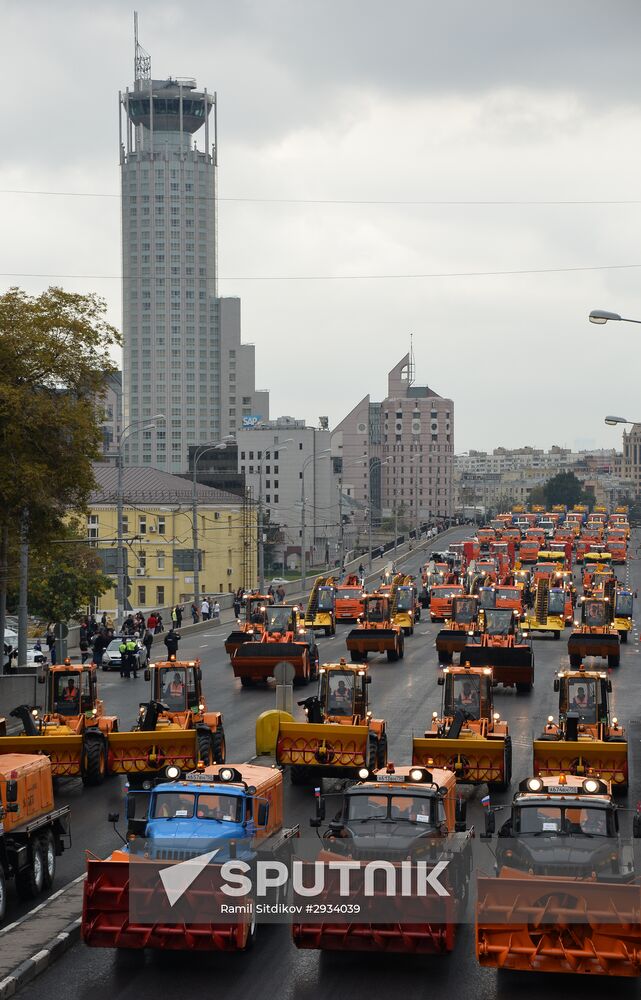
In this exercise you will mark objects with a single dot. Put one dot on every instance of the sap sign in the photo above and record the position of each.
(252, 421)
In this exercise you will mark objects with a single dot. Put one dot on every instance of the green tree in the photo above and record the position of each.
(56, 351)
(565, 488)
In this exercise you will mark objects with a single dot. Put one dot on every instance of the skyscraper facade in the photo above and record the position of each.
(182, 355)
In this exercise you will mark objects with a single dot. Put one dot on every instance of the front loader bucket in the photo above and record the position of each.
(258, 659)
(141, 753)
(112, 895)
(473, 760)
(451, 640)
(237, 638)
(607, 758)
(326, 747)
(510, 664)
(601, 644)
(64, 752)
(371, 640)
(543, 924)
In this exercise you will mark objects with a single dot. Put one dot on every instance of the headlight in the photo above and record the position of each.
(363, 773)
(534, 785)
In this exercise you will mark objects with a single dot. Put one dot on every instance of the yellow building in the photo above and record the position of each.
(158, 537)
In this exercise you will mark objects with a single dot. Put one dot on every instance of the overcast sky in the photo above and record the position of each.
(365, 100)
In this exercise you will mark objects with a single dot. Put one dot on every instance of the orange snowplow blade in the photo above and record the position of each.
(64, 752)
(305, 744)
(140, 752)
(472, 760)
(258, 659)
(542, 924)
(609, 759)
(371, 640)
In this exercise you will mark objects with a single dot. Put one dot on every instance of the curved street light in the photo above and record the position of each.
(601, 316)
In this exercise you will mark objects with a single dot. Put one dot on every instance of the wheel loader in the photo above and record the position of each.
(565, 897)
(339, 735)
(585, 738)
(596, 634)
(467, 737)
(251, 629)
(284, 639)
(547, 613)
(455, 635)
(499, 644)
(375, 632)
(173, 727)
(405, 609)
(73, 730)
(321, 607)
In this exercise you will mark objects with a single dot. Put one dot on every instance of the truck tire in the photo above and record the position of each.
(48, 845)
(205, 752)
(444, 657)
(247, 682)
(557, 635)
(30, 881)
(218, 746)
(372, 752)
(614, 660)
(392, 655)
(381, 752)
(401, 648)
(624, 636)
(3, 896)
(575, 659)
(354, 656)
(94, 762)
(524, 688)
(300, 774)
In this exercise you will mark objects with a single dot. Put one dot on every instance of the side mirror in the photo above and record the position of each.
(368, 678)
(460, 816)
(113, 817)
(11, 790)
(41, 678)
(556, 684)
(440, 680)
(490, 825)
(320, 808)
(147, 674)
(199, 673)
(336, 827)
(263, 814)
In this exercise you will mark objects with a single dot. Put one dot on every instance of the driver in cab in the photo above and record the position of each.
(341, 700)
(468, 698)
(174, 691)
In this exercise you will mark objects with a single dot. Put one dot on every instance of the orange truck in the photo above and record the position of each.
(282, 640)
(529, 550)
(441, 598)
(349, 599)
(33, 832)
(251, 628)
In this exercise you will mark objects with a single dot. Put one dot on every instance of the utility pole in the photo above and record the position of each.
(340, 521)
(24, 586)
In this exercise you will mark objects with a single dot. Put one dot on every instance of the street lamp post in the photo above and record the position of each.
(601, 316)
(136, 425)
(303, 556)
(200, 451)
(261, 541)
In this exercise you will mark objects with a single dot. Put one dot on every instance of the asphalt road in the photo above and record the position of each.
(405, 694)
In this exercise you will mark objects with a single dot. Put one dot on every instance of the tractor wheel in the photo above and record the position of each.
(247, 682)
(575, 659)
(372, 752)
(401, 648)
(524, 688)
(94, 769)
(557, 635)
(48, 846)
(30, 881)
(205, 747)
(624, 636)
(300, 774)
(218, 746)
(392, 655)
(354, 656)
(3, 896)
(614, 660)
(444, 657)
(381, 752)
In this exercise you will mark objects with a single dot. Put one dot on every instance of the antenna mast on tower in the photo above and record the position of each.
(142, 59)
(411, 368)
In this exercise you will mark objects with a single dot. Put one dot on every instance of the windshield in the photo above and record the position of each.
(405, 599)
(279, 618)
(556, 601)
(207, 805)
(582, 698)
(377, 609)
(340, 693)
(465, 694)
(544, 569)
(563, 821)
(349, 594)
(176, 688)
(487, 595)
(624, 605)
(594, 613)
(66, 694)
(498, 622)
(325, 599)
(464, 610)
(446, 592)
(507, 594)
(411, 808)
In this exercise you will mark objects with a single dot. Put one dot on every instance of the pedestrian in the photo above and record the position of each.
(179, 615)
(174, 615)
(195, 617)
(280, 593)
(99, 646)
(148, 641)
(216, 612)
(361, 571)
(124, 658)
(236, 606)
(204, 609)
(132, 652)
(152, 621)
(171, 642)
(270, 592)
(84, 646)
(103, 620)
(159, 623)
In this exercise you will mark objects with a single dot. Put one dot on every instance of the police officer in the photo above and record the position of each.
(132, 657)
(124, 658)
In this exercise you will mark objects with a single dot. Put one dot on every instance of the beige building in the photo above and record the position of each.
(158, 539)
(631, 462)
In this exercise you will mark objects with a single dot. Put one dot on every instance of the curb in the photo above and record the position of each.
(42, 959)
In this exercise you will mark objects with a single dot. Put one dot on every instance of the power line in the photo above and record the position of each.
(347, 277)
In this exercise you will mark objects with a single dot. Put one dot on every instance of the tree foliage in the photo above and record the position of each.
(565, 488)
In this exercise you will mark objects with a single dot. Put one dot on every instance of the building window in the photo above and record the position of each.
(92, 526)
(142, 596)
(125, 524)
(160, 596)
(161, 560)
(142, 524)
(161, 525)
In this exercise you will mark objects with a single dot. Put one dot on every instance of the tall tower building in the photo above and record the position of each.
(182, 354)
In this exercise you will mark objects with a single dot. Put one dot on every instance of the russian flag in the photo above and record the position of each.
(485, 801)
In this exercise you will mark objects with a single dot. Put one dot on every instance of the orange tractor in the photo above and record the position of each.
(501, 646)
(467, 737)
(284, 639)
(73, 731)
(376, 632)
(256, 607)
(454, 636)
(565, 896)
(596, 635)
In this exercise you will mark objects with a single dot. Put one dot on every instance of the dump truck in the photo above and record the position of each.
(503, 596)
(174, 728)
(73, 730)
(454, 636)
(548, 611)
(596, 634)
(33, 831)
(403, 814)
(623, 607)
(565, 896)
(405, 609)
(375, 632)
(321, 607)
(441, 598)
(284, 639)
(339, 735)
(468, 736)
(618, 549)
(501, 646)
(528, 551)
(133, 900)
(251, 629)
(585, 738)
(349, 599)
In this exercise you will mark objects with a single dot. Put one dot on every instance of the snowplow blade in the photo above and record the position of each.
(323, 746)
(451, 640)
(542, 924)
(368, 640)
(110, 894)
(473, 760)
(510, 665)
(607, 758)
(139, 752)
(237, 638)
(593, 644)
(412, 939)
(258, 659)
(64, 752)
